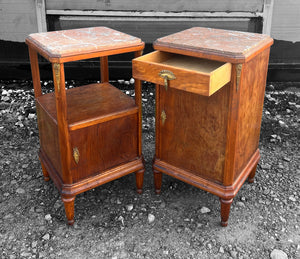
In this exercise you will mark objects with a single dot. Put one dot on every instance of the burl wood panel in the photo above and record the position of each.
(232, 46)
(193, 136)
(251, 98)
(104, 146)
(48, 133)
(81, 41)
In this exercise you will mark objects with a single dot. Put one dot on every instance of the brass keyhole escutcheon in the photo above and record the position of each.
(76, 154)
(163, 117)
(166, 75)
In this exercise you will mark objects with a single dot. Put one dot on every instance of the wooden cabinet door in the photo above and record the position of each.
(192, 132)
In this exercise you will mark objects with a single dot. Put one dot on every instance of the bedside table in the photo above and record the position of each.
(89, 135)
(210, 88)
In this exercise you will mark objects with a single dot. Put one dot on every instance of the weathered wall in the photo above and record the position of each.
(17, 19)
(286, 20)
(158, 5)
(150, 20)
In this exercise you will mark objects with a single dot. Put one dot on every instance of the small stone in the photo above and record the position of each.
(121, 219)
(233, 254)
(4, 92)
(25, 254)
(209, 246)
(204, 210)
(8, 216)
(126, 83)
(278, 254)
(265, 166)
(121, 81)
(57, 204)
(282, 219)
(240, 204)
(20, 191)
(48, 217)
(5, 98)
(46, 236)
(282, 124)
(127, 92)
(118, 201)
(151, 218)
(34, 244)
(221, 250)
(129, 207)
(292, 198)
(287, 159)
(6, 194)
(39, 210)
(31, 115)
(131, 81)
(162, 205)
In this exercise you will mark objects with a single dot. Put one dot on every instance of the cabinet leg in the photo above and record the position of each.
(69, 208)
(45, 172)
(252, 174)
(139, 179)
(157, 181)
(225, 210)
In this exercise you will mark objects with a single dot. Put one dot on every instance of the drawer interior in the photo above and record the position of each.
(184, 62)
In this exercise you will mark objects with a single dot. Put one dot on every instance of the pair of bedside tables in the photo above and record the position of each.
(209, 98)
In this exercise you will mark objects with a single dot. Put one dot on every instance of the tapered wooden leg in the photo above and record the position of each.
(225, 210)
(252, 174)
(157, 181)
(45, 172)
(69, 208)
(139, 179)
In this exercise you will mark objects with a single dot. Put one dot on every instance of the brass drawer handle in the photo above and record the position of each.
(166, 75)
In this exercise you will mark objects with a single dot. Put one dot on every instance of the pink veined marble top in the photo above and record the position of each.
(215, 41)
(85, 40)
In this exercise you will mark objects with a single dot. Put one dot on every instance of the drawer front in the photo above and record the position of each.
(185, 73)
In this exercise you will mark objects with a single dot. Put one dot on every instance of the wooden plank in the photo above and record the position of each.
(145, 14)
(151, 29)
(268, 13)
(158, 5)
(41, 15)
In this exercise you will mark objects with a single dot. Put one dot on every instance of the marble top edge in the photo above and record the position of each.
(214, 41)
(85, 40)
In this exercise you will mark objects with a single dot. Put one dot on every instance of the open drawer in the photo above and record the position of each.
(201, 76)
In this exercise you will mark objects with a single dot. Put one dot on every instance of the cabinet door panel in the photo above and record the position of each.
(193, 135)
(104, 146)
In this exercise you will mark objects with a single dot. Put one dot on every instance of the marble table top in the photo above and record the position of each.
(214, 41)
(81, 41)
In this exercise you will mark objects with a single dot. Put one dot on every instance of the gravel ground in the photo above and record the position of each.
(112, 221)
